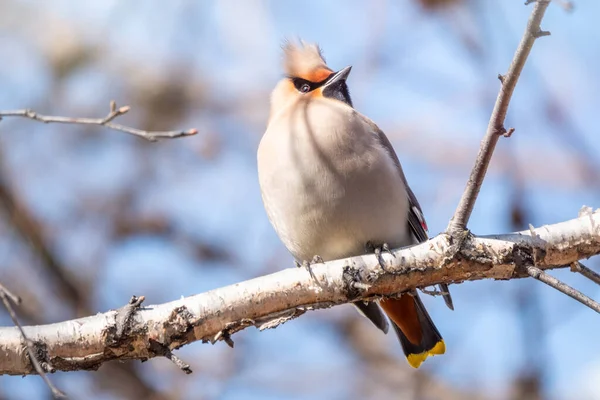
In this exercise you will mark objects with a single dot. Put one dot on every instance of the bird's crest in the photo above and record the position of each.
(305, 60)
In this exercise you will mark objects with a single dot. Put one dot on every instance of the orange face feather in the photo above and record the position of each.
(301, 60)
(304, 60)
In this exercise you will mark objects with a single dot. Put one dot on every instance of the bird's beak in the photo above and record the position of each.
(339, 76)
(335, 87)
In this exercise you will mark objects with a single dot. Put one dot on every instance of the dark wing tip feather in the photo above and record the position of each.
(373, 312)
(416, 220)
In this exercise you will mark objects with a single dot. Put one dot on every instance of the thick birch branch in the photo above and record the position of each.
(265, 302)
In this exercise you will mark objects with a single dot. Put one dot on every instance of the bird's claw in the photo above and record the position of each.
(386, 248)
(379, 250)
(307, 265)
(317, 260)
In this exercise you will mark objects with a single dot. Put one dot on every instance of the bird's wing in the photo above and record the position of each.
(416, 220)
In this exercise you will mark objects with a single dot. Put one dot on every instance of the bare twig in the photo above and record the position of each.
(496, 127)
(434, 292)
(13, 297)
(7, 297)
(270, 300)
(585, 271)
(562, 287)
(106, 121)
(162, 350)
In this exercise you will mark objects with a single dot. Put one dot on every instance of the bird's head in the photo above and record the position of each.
(308, 76)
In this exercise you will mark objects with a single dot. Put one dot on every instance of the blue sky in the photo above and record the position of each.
(412, 74)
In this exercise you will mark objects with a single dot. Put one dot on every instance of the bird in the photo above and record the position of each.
(333, 187)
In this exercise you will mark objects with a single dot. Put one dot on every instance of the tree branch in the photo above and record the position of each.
(562, 287)
(585, 271)
(496, 127)
(270, 300)
(40, 369)
(106, 121)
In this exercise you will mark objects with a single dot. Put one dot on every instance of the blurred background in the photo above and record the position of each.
(89, 216)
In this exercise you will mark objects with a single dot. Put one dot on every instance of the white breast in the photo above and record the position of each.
(327, 184)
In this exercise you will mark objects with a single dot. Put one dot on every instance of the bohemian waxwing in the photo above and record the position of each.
(332, 185)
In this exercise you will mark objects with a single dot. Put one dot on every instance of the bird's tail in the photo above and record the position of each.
(415, 329)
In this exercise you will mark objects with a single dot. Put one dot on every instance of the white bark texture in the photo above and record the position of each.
(145, 332)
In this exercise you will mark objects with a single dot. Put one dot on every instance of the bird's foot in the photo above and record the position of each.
(379, 250)
(307, 265)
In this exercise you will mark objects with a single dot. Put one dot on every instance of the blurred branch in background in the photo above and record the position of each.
(385, 376)
(527, 381)
(32, 234)
(74, 292)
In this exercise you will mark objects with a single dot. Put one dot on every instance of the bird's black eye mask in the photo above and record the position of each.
(305, 86)
(338, 90)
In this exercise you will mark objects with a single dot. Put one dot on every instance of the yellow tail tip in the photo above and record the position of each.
(415, 360)
(438, 349)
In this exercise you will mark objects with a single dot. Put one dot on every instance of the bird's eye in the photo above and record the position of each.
(302, 85)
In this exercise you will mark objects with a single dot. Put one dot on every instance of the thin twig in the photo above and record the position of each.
(7, 297)
(433, 292)
(585, 271)
(496, 127)
(106, 121)
(13, 297)
(162, 350)
(540, 275)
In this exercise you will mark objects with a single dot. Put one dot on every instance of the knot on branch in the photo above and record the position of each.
(231, 328)
(456, 240)
(118, 335)
(523, 257)
(354, 284)
(500, 130)
(178, 326)
(40, 352)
